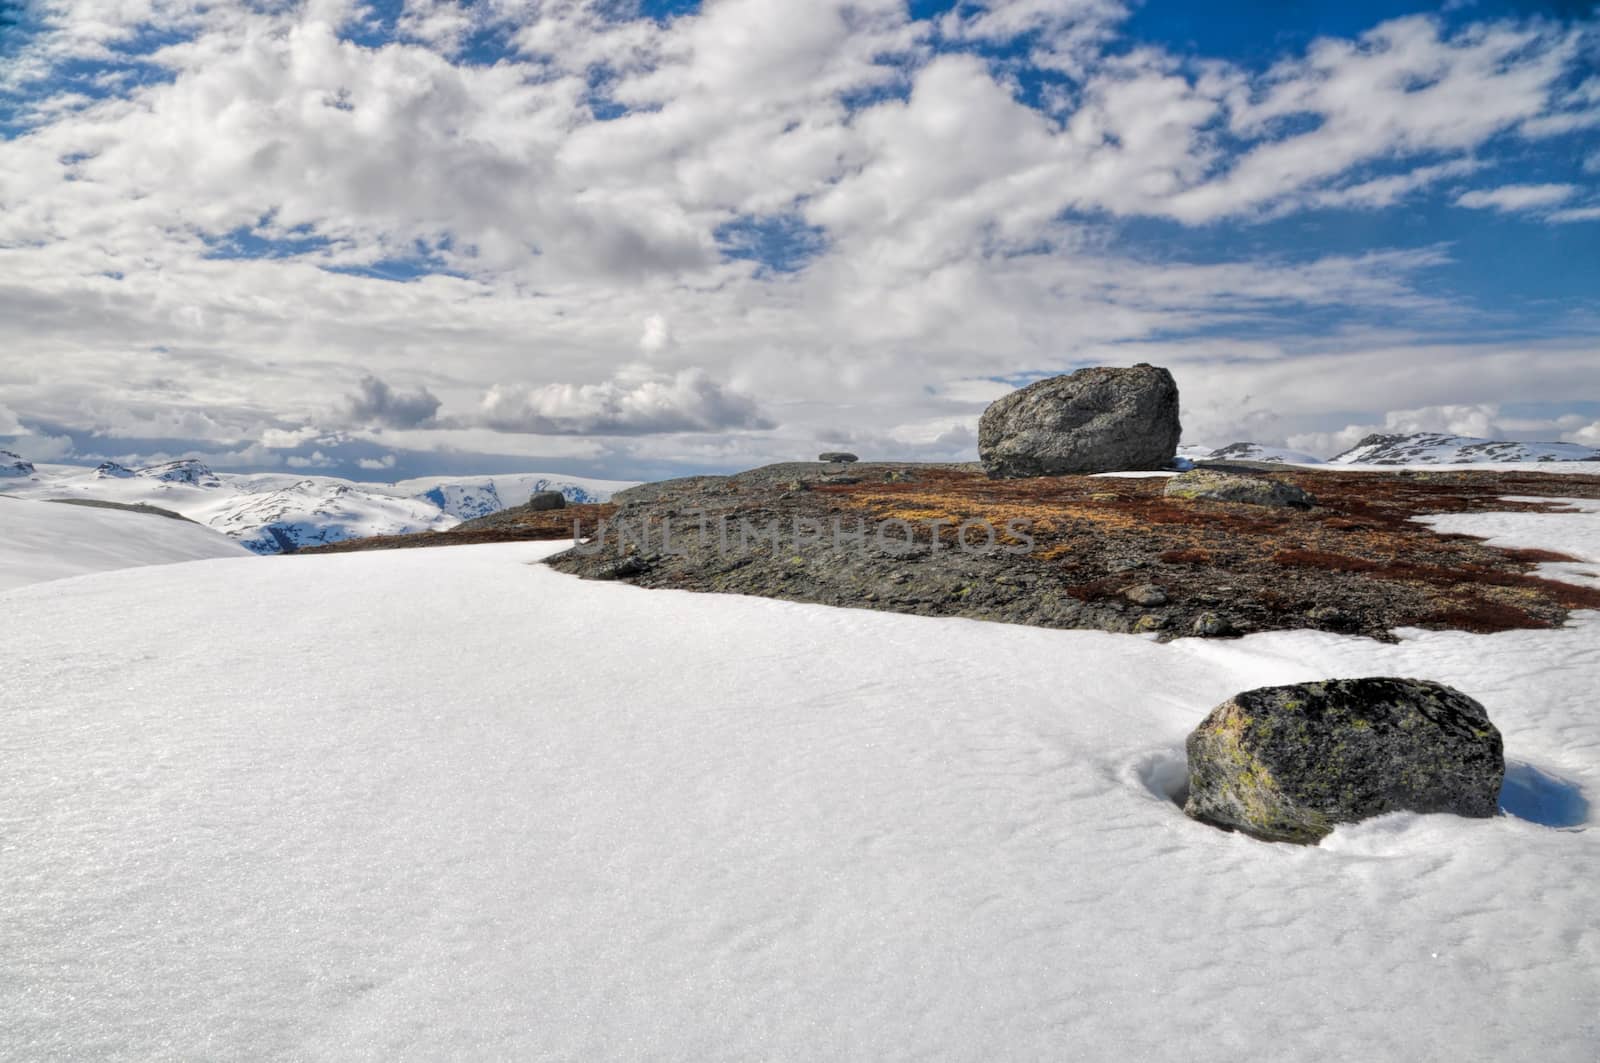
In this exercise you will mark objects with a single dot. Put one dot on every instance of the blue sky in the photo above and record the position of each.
(422, 236)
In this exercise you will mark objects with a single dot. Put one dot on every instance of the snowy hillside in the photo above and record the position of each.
(1428, 448)
(649, 824)
(42, 541)
(269, 513)
(1258, 452)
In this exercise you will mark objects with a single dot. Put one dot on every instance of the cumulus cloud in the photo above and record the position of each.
(9, 425)
(635, 402)
(315, 460)
(376, 403)
(256, 198)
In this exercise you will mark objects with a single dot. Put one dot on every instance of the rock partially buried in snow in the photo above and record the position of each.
(1096, 420)
(1288, 763)
(543, 500)
(1217, 486)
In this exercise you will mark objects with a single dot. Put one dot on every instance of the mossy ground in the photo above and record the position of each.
(1357, 563)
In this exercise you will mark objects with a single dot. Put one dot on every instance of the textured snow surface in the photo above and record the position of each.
(446, 804)
(271, 512)
(44, 541)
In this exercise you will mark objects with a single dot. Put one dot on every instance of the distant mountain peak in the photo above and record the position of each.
(1439, 448)
(1260, 452)
(184, 471)
(12, 464)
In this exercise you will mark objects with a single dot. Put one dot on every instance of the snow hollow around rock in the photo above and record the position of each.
(450, 804)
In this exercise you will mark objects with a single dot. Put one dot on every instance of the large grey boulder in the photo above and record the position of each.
(546, 500)
(1217, 486)
(1095, 420)
(1287, 763)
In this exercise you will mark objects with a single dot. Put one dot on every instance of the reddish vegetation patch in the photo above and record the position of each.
(1359, 554)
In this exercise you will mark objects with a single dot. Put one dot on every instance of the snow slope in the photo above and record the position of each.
(45, 541)
(268, 513)
(1429, 448)
(530, 817)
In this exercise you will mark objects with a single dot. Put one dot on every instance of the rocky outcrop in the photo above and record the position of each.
(1095, 420)
(837, 457)
(1218, 486)
(1287, 763)
(540, 501)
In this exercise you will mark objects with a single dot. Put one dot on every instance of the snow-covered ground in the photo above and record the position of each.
(447, 804)
(270, 512)
(42, 541)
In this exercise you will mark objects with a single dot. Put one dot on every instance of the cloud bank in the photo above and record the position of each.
(734, 232)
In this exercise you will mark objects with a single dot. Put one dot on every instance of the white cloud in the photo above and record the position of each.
(9, 425)
(287, 439)
(317, 460)
(657, 335)
(1509, 198)
(963, 231)
(377, 464)
(634, 402)
(1574, 214)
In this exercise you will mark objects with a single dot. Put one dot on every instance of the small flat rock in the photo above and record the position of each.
(1147, 594)
(837, 457)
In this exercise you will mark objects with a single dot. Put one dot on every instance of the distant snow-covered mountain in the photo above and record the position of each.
(1432, 448)
(14, 465)
(1259, 452)
(272, 513)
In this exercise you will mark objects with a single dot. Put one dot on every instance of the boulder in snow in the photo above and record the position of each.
(1096, 420)
(1287, 763)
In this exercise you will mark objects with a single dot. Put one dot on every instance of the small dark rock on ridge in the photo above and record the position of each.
(837, 457)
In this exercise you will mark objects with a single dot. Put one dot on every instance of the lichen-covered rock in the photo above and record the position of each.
(1218, 486)
(1096, 420)
(546, 500)
(1288, 763)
